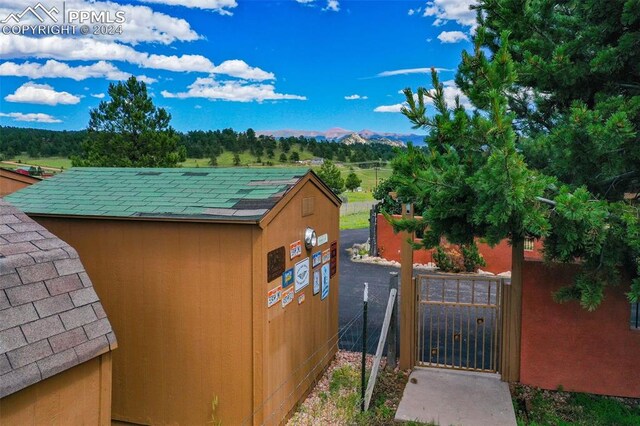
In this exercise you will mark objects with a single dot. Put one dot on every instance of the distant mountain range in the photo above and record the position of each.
(339, 134)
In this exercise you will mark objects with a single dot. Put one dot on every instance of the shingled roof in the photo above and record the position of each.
(50, 317)
(238, 193)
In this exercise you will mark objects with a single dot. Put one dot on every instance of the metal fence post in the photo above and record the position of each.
(364, 344)
(392, 342)
(373, 230)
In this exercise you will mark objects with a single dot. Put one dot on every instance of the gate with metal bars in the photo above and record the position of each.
(458, 321)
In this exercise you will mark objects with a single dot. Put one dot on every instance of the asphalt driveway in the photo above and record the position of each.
(353, 275)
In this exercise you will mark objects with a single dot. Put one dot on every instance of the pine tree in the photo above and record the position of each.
(330, 174)
(352, 182)
(475, 182)
(130, 131)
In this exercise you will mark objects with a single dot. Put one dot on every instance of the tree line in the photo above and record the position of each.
(201, 144)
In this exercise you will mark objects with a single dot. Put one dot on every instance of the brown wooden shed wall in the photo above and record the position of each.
(299, 340)
(78, 396)
(188, 302)
(178, 296)
(11, 182)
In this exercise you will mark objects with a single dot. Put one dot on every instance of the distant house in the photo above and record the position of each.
(55, 338)
(317, 161)
(222, 284)
(13, 180)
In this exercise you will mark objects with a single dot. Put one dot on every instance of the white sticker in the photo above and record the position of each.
(316, 281)
(274, 296)
(301, 274)
(322, 239)
(287, 296)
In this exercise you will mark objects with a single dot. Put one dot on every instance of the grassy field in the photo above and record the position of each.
(355, 221)
(354, 197)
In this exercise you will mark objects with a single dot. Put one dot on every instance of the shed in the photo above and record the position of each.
(208, 282)
(11, 181)
(55, 338)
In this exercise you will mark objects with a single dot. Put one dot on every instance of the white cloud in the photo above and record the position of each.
(34, 117)
(220, 6)
(410, 71)
(98, 95)
(32, 93)
(452, 36)
(141, 23)
(65, 48)
(235, 91)
(305, 1)
(55, 69)
(333, 6)
(240, 69)
(147, 80)
(355, 97)
(451, 10)
(390, 108)
(198, 107)
(450, 93)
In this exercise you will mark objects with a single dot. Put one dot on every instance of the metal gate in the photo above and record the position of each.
(458, 321)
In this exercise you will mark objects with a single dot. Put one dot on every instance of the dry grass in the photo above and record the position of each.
(336, 398)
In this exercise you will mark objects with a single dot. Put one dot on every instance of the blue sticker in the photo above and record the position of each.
(287, 278)
(325, 280)
(316, 259)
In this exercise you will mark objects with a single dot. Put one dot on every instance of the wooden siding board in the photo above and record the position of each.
(181, 310)
(75, 396)
(294, 333)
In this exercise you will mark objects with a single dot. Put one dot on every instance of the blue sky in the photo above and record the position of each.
(290, 64)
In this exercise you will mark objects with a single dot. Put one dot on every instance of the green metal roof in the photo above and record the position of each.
(236, 193)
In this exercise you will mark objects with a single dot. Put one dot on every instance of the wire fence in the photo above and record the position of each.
(347, 333)
(350, 337)
(356, 207)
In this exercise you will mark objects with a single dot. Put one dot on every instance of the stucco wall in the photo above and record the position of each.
(498, 258)
(564, 345)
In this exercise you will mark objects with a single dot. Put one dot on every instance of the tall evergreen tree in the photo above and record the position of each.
(330, 174)
(130, 131)
(475, 181)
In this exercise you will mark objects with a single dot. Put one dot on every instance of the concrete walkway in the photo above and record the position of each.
(448, 397)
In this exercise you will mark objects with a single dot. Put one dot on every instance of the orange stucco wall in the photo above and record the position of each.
(564, 345)
(498, 258)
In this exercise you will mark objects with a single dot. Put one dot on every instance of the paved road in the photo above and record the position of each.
(353, 275)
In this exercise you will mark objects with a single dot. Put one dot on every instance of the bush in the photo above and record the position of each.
(458, 258)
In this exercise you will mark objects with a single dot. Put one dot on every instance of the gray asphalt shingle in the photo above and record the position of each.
(46, 304)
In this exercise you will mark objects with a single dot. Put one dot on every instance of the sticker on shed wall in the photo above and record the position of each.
(295, 249)
(273, 296)
(334, 257)
(287, 296)
(275, 263)
(316, 259)
(326, 256)
(301, 299)
(322, 239)
(301, 274)
(287, 278)
(325, 280)
(316, 281)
